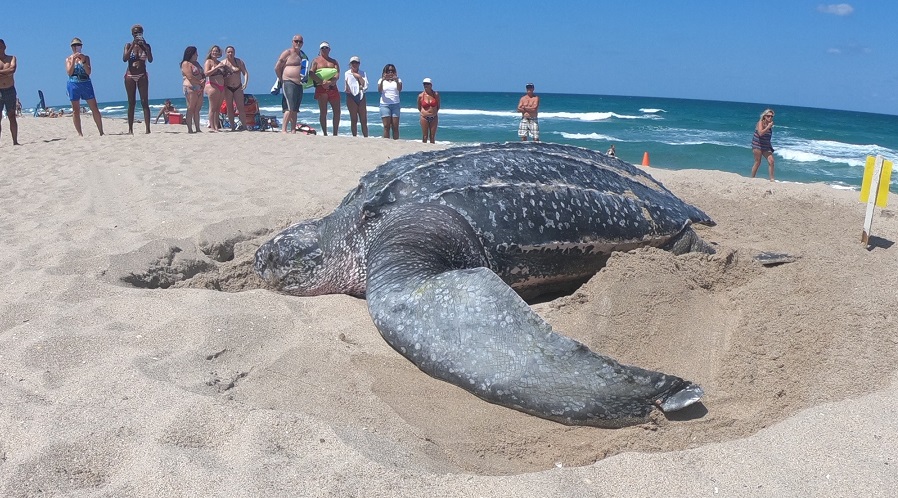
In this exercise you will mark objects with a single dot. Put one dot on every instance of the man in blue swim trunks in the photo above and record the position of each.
(8, 91)
(288, 69)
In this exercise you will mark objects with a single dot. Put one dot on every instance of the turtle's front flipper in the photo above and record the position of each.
(467, 327)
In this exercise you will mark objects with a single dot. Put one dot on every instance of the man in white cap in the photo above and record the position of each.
(326, 89)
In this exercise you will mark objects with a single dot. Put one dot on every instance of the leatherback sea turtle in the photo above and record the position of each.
(444, 244)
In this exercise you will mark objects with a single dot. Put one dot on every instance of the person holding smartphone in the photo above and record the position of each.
(79, 86)
(760, 142)
(137, 54)
(389, 86)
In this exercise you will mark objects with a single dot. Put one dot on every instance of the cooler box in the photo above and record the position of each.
(175, 118)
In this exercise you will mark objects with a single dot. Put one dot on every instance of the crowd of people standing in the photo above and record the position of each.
(223, 80)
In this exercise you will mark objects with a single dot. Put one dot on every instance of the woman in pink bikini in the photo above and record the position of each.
(137, 54)
(194, 79)
(216, 71)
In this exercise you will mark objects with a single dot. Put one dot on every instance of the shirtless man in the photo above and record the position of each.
(326, 90)
(8, 91)
(288, 69)
(528, 107)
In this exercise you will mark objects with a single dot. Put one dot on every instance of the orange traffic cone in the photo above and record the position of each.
(645, 159)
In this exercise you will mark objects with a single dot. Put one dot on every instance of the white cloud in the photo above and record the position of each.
(850, 49)
(839, 9)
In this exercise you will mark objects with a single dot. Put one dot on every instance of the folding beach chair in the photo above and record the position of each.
(41, 106)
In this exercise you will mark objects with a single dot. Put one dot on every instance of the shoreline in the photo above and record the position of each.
(677, 133)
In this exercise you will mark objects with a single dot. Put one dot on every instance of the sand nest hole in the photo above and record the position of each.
(747, 333)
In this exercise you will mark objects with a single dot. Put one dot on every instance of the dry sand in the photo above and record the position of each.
(112, 386)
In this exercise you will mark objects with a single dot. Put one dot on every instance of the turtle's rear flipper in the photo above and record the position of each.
(680, 398)
(774, 258)
(688, 241)
(467, 327)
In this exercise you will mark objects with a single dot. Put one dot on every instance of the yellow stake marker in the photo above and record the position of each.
(877, 173)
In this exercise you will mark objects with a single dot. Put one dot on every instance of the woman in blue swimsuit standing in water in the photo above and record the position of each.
(760, 142)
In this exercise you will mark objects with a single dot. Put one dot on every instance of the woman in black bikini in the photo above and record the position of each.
(234, 86)
(137, 54)
(428, 106)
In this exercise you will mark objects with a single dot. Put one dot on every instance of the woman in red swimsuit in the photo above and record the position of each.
(428, 106)
(137, 54)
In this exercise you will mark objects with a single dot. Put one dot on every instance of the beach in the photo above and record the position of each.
(140, 356)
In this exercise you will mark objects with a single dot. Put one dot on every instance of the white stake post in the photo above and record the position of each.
(871, 199)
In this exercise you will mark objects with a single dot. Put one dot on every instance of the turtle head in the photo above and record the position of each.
(293, 261)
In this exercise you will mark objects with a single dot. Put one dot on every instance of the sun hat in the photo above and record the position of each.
(355, 58)
(76, 41)
(324, 44)
(427, 80)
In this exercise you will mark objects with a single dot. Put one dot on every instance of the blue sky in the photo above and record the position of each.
(771, 52)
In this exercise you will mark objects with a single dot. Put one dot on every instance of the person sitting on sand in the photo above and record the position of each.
(18, 107)
(167, 109)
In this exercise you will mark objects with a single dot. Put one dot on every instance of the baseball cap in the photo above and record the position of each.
(324, 44)
(529, 85)
(76, 41)
(355, 58)
(427, 80)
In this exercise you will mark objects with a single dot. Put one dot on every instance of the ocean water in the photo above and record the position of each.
(812, 145)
